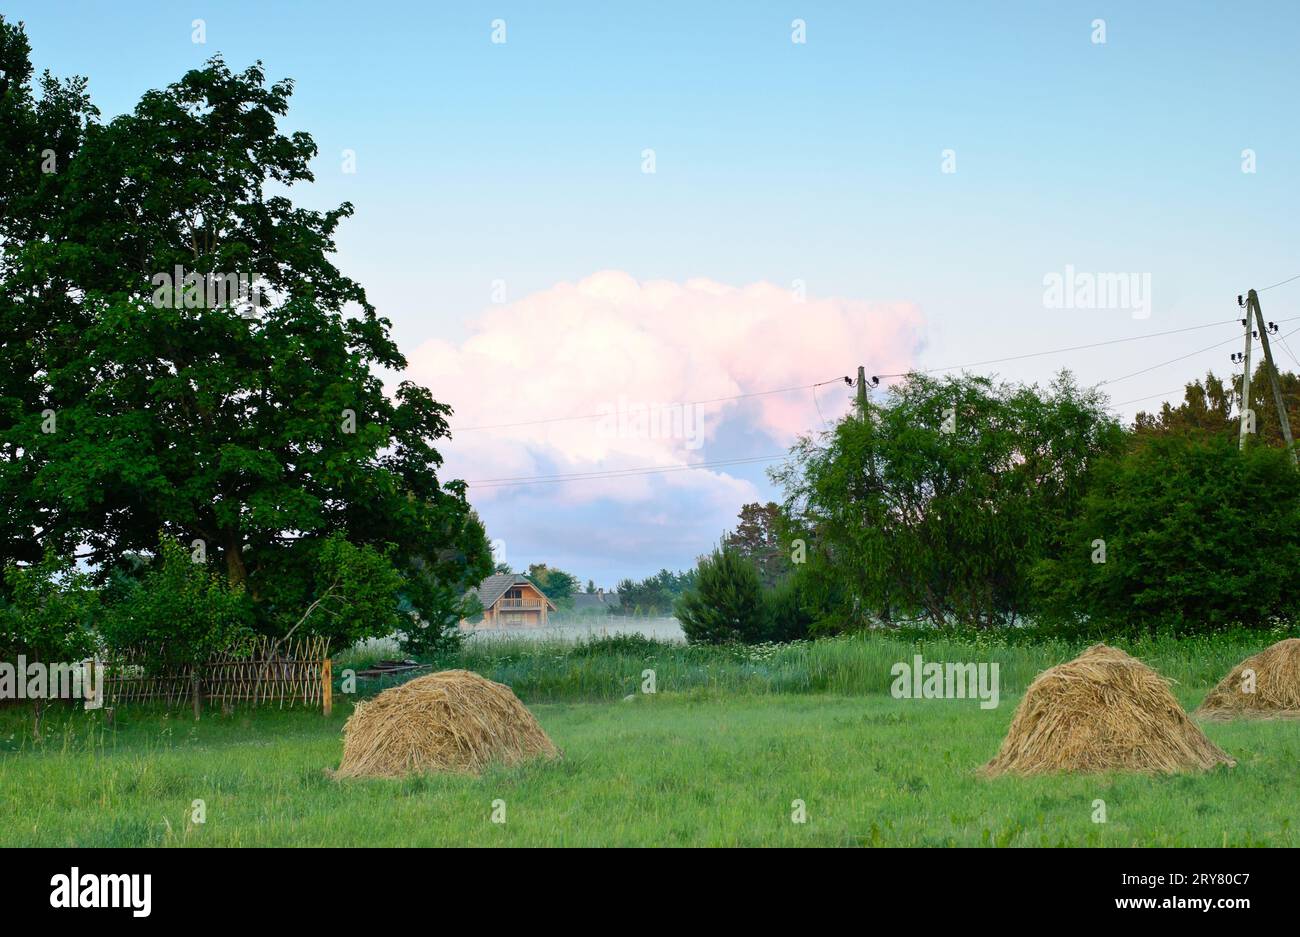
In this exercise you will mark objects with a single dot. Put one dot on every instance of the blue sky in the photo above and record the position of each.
(775, 162)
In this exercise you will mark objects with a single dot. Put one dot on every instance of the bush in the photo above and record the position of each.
(178, 614)
(1198, 537)
(45, 614)
(356, 593)
(789, 617)
(435, 640)
(726, 603)
(330, 587)
(46, 611)
(628, 645)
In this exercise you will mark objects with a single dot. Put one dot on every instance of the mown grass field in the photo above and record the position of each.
(716, 757)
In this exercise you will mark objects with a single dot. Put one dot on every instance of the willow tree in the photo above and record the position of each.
(938, 504)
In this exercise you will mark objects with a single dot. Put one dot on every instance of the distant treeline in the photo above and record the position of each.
(654, 595)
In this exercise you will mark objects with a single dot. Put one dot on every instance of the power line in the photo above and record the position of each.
(1163, 393)
(1153, 367)
(1282, 339)
(597, 475)
(608, 471)
(1280, 283)
(1058, 351)
(1192, 354)
(818, 405)
(617, 473)
(687, 403)
(836, 380)
(1287, 346)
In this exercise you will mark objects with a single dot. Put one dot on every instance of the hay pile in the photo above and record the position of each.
(1102, 711)
(1277, 687)
(454, 721)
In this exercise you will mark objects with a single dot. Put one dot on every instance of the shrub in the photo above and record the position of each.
(726, 602)
(629, 645)
(789, 617)
(46, 611)
(437, 640)
(178, 614)
(356, 593)
(46, 614)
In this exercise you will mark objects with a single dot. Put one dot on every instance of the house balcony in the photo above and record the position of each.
(520, 603)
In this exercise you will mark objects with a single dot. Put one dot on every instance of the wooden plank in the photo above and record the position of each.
(327, 687)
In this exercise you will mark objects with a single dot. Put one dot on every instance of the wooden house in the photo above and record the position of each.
(510, 600)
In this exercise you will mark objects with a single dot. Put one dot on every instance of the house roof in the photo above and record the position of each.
(495, 586)
(597, 600)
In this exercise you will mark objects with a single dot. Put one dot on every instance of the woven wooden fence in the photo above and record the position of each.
(268, 672)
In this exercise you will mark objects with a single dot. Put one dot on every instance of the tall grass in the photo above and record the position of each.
(852, 665)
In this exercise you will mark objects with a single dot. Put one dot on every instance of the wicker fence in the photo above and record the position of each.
(269, 672)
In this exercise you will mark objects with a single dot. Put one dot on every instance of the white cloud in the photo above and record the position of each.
(627, 350)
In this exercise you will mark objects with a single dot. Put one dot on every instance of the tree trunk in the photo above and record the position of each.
(38, 705)
(236, 572)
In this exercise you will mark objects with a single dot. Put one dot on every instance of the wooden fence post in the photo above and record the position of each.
(327, 686)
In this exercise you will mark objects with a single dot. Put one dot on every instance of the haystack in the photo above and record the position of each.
(1102, 711)
(1266, 686)
(453, 721)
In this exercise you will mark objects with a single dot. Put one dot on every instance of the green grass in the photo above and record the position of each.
(717, 761)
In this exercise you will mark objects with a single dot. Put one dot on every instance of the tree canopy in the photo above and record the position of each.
(654, 595)
(757, 538)
(136, 398)
(937, 504)
(1180, 532)
(556, 584)
(1212, 407)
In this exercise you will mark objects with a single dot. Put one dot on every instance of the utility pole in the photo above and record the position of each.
(1245, 390)
(871, 460)
(1252, 302)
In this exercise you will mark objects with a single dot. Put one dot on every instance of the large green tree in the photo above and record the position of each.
(937, 504)
(42, 123)
(1179, 532)
(144, 402)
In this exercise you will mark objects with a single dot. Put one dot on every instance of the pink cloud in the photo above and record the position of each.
(629, 350)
